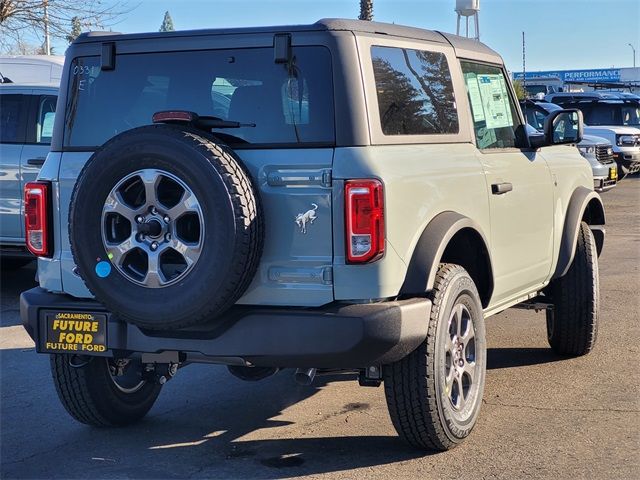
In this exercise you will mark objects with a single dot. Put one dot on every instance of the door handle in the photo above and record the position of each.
(500, 188)
(36, 162)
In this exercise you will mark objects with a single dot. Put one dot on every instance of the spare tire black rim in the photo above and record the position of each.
(152, 228)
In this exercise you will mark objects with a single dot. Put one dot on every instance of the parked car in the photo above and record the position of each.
(614, 116)
(31, 69)
(373, 227)
(596, 150)
(26, 125)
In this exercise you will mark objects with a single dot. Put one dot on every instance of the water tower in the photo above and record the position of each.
(466, 9)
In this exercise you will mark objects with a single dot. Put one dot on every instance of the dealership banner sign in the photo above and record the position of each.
(587, 76)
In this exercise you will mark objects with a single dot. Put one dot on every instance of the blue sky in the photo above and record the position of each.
(560, 34)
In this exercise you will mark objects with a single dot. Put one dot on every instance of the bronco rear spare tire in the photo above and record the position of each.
(165, 227)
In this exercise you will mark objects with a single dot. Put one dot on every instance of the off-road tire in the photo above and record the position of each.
(234, 226)
(89, 394)
(418, 406)
(572, 325)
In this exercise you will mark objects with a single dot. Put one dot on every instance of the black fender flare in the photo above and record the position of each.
(433, 241)
(581, 200)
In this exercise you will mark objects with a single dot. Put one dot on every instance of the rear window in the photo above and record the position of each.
(289, 104)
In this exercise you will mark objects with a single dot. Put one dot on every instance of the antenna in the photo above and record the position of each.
(466, 9)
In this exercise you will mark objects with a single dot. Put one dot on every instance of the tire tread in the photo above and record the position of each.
(410, 386)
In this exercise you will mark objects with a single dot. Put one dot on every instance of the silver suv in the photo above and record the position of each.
(597, 151)
(26, 126)
(343, 195)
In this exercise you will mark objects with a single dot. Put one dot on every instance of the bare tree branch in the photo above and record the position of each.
(21, 17)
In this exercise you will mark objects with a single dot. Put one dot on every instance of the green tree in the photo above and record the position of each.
(167, 23)
(366, 10)
(399, 101)
(521, 93)
(76, 29)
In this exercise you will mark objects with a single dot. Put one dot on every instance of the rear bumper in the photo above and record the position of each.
(336, 336)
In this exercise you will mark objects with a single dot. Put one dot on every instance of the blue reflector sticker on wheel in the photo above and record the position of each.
(103, 269)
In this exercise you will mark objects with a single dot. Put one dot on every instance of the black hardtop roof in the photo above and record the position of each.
(325, 24)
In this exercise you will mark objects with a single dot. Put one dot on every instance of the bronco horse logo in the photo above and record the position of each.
(302, 219)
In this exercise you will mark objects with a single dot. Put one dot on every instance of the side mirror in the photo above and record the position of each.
(564, 126)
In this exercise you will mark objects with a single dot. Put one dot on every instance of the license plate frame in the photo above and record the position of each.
(74, 332)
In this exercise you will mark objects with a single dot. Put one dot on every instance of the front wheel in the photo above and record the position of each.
(572, 325)
(99, 392)
(434, 394)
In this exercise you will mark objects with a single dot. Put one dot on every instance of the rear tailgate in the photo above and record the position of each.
(286, 141)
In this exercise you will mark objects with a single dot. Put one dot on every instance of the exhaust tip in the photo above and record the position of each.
(305, 376)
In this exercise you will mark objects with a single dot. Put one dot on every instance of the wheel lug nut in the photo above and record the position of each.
(167, 237)
(139, 219)
(153, 210)
(461, 363)
(166, 219)
(154, 246)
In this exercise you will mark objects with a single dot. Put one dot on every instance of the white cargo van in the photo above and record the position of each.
(31, 68)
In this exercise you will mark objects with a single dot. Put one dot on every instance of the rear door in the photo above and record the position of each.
(519, 186)
(14, 109)
(286, 141)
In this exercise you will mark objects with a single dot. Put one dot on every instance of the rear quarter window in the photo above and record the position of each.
(414, 91)
(289, 104)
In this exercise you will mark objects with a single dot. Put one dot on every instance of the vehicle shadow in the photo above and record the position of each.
(207, 424)
(520, 357)
(12, 284)
(206, 436)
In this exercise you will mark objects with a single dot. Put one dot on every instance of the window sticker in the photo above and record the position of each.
(47, 125)
(485, 137)
(495, 100)
(474, 96)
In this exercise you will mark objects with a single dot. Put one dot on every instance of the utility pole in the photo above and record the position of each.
(524, 67)
(47, 41)
(634, 54)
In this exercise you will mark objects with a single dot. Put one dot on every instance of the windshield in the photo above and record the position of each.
(288, 103)
(532, 90)
(627, 114)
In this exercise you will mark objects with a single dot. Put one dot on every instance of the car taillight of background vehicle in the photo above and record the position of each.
(36, 217)
(364, 213)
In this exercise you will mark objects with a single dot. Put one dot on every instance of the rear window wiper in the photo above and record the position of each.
(203, 122)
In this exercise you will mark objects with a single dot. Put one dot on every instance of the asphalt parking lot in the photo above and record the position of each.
(543, 416)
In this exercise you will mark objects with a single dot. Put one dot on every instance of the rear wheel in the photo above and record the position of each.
(102, 392)
(434, 394)
(572, 325)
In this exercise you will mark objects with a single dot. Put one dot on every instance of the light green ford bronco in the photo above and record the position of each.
(345, 195)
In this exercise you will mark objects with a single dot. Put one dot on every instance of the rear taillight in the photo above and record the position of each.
(36, 218)
(364, 203)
